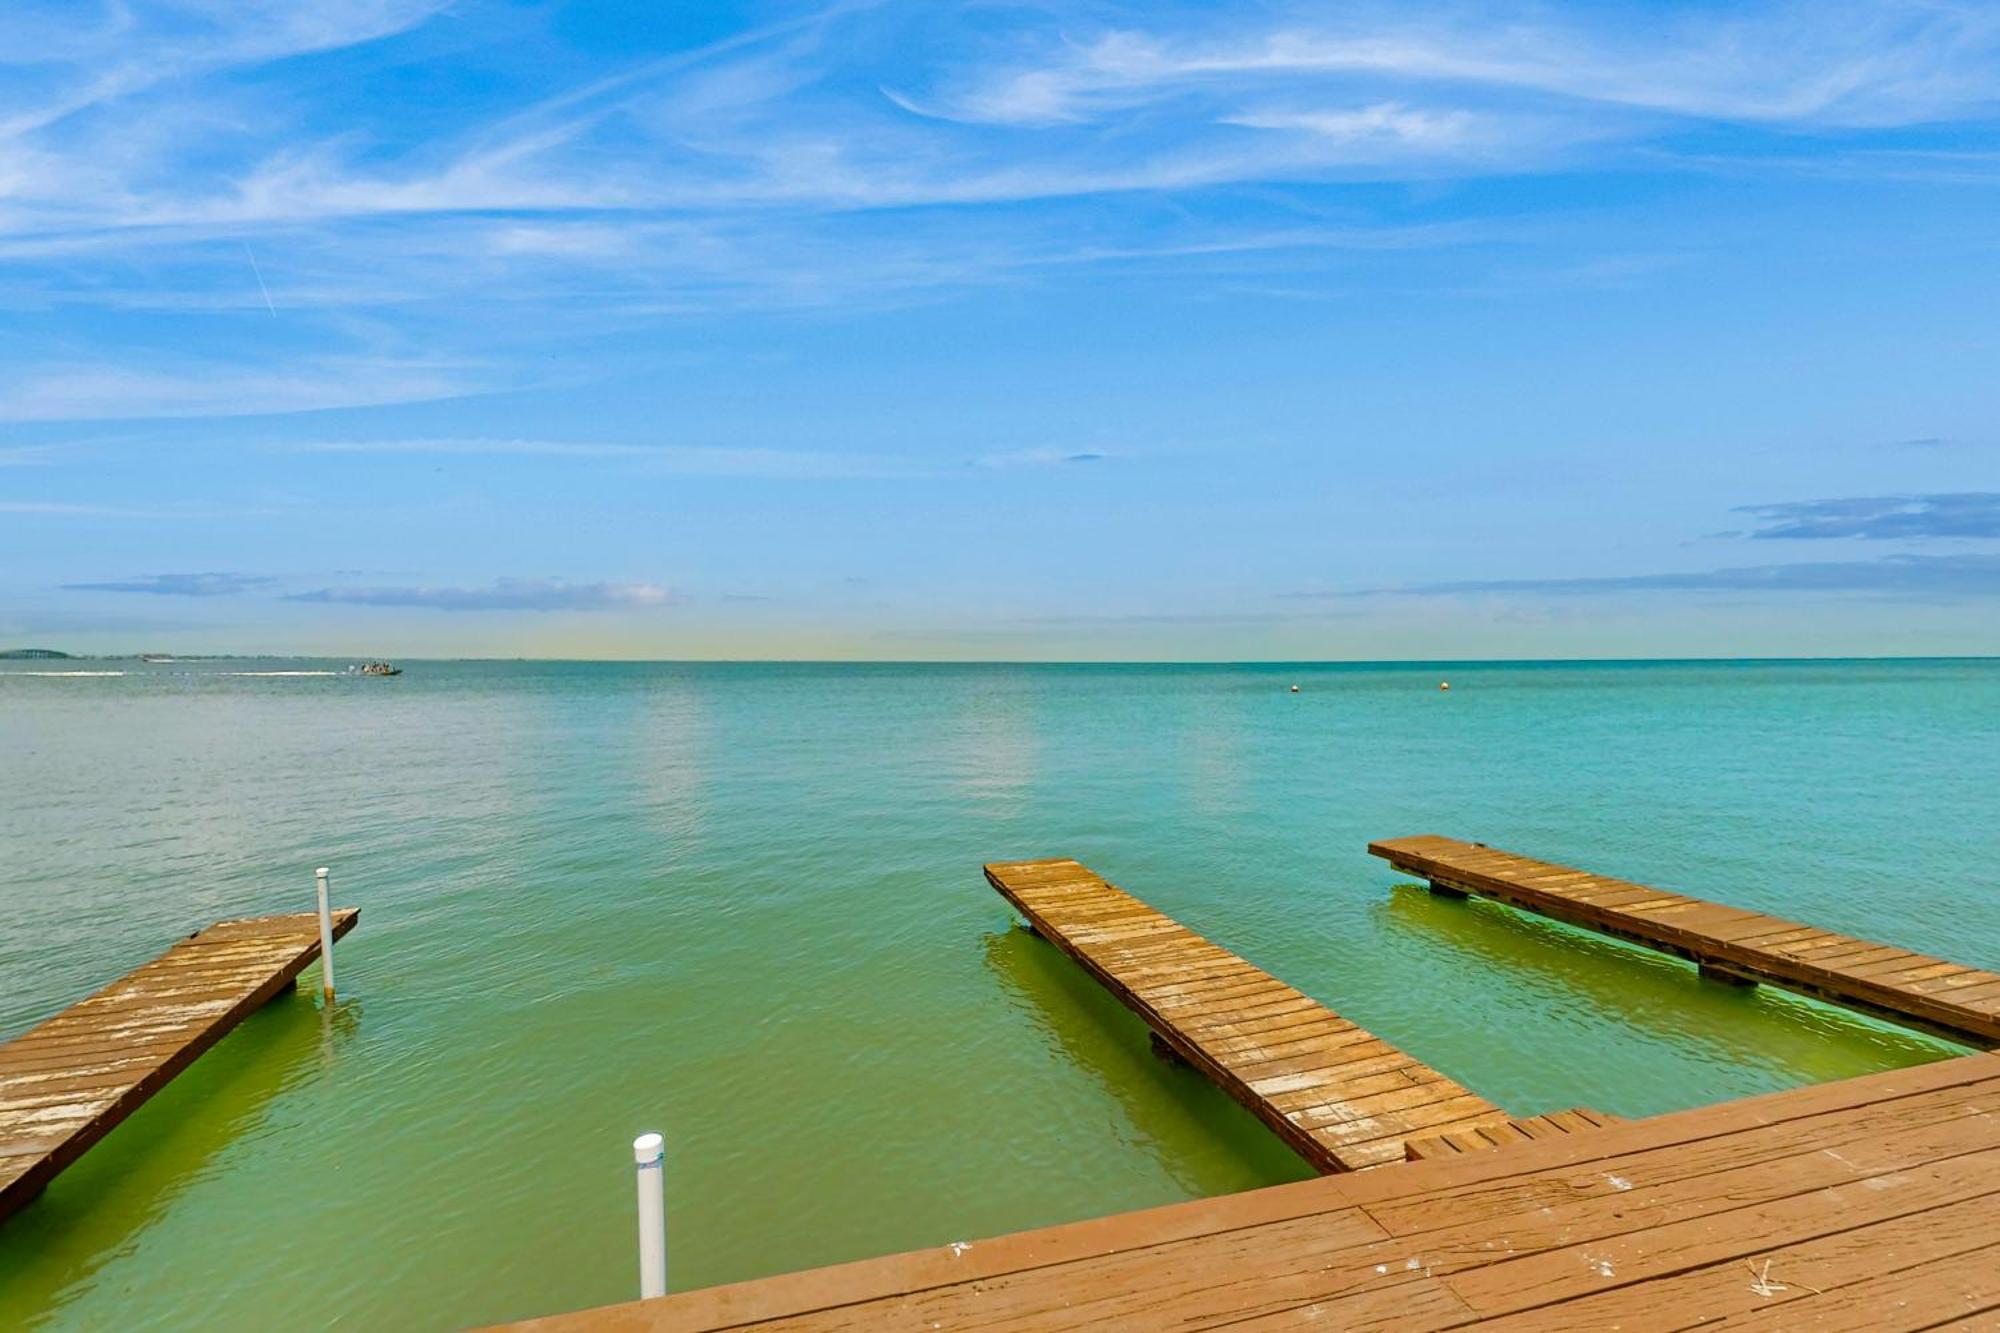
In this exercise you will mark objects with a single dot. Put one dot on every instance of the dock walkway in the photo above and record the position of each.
(1339, 1096)
(1728, 943)
(68, 1082)
(1867, 1204)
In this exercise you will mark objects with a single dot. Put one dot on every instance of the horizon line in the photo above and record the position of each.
(1046, 661)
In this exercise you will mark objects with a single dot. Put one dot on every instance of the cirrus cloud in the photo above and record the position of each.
(1944, 576)
(500, 595)
(213, 584)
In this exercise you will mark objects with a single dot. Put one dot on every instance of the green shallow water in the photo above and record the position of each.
(741, 904)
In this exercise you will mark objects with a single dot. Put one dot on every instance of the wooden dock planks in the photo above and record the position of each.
(68, 1082)
(1728, 943)
(1872, 1203)
(1339, 1096)
(1480, 1138)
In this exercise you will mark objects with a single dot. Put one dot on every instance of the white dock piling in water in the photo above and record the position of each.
(325, 937)
(650, 1152)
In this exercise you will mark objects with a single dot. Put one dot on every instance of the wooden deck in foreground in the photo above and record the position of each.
(67, 1083)
(1339, 1096)
(1728, 943)
(1868, 1204)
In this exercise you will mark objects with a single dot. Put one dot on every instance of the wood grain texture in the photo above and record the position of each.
(1479, 1138)
(1340, 1097)
(69, 1081)
(1883, 980)
(1869, 1203)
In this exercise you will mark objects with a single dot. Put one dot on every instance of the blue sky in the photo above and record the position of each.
(987, 330)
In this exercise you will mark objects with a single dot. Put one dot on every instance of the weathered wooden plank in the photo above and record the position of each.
(72, 1079)
(1292, 1264)
(1381, 1248)
(1277, 1051)
(1537, 1262)
(1883, 980)
(1588, 1267)
(1446, 1143)
(1906, 1272)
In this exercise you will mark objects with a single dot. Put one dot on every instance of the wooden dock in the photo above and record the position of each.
(1339, 1096)
(67, 1083)
(1479, 1138)
(1867, 1204)
(1728, 943)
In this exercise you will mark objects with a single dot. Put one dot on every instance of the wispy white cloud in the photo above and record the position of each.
(664, 459)
(779, 118)
(705, 461)
(214, 584)
(1040, 456)
(856, 153)
(1390, 122)
(67, 509)
(1942, 576)
(501, 595)
(1841, 64)
(102, 115)
(67, 65)
(71, 392)
(473, 448)
(74, 509)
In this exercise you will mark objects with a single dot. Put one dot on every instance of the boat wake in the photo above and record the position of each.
(65, 673)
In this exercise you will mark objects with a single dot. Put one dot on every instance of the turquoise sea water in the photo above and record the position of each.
(741, 904)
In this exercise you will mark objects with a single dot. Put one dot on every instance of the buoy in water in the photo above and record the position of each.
(1295, 689)
(1444, 685)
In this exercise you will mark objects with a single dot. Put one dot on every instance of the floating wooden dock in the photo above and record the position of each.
(1339, 1096)
(1868, 1204)
(66, 1084)
(1727, 943)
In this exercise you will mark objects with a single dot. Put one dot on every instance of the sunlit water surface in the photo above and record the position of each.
(742, 905)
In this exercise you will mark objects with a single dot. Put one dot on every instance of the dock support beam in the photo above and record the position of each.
(1718, 973)
(1446, 891)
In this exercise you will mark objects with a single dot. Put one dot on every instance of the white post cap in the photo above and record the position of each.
(323, 871)
(648, 1148)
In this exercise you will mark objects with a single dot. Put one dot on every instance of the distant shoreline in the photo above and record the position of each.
(44, 655)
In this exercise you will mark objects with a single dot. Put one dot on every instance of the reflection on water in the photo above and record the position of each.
(1199, 1137)
(1622, 1002)
(741, 905)
(1215, 763)
(669, 742)
(990, 746)
(104, 1204)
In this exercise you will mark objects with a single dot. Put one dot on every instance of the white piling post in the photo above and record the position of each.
(650, 1152)
(325, 938)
